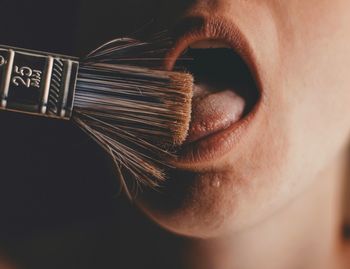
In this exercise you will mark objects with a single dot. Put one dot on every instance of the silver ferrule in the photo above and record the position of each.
(35, 82)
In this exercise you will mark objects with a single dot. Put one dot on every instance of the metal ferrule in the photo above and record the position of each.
(36, 82)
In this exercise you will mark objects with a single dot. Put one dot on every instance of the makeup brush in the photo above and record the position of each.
(137, 112)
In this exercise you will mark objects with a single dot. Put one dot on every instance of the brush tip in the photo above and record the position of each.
(183, 82)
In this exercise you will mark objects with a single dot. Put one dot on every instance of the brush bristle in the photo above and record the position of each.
(136, 113)
(183, 82)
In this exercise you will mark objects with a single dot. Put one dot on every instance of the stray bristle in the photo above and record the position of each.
(136, 113)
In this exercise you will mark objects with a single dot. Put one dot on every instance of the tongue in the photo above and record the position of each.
(223, 83)
(213, 111)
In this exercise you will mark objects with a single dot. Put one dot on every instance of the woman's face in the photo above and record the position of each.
(238, 169)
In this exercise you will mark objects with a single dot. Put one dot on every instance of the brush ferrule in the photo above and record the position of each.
(38, 83)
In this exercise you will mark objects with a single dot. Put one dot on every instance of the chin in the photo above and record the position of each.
(200, 205)
(210, 205)
(243, 188)
(215, 203)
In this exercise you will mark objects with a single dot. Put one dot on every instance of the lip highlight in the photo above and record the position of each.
(208, 143)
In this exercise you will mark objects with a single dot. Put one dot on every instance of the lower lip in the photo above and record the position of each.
(215, 146)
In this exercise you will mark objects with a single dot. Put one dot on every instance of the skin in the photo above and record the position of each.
(276, 200)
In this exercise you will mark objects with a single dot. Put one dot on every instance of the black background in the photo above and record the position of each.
(59, 203)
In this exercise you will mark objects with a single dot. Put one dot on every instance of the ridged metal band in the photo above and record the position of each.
(35, 82)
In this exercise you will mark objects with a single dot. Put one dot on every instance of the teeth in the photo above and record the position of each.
(209, 44)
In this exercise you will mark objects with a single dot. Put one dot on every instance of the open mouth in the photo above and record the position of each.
(226, 93)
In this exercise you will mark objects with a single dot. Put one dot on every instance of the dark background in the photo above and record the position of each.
(59, 202)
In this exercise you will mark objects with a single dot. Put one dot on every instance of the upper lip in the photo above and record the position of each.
(194, 29)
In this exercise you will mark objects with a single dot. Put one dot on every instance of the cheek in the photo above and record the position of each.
(317, 89)
(308, 95)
